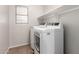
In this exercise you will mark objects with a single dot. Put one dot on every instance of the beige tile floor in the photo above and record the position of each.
(26, 49)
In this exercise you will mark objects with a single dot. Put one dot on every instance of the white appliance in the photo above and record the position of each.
(47, 39)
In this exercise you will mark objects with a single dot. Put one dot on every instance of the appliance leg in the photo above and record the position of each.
(33, 51)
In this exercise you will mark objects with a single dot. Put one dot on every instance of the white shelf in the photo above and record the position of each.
(60, 11)
(49, 12)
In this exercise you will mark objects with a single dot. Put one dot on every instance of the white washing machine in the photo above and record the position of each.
(47, 39)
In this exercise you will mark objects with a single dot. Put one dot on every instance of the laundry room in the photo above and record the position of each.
(39, 29)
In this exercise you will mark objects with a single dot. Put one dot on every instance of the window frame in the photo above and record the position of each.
(20, 14)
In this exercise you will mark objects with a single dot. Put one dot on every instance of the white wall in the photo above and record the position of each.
(4, 30)
(34, 12)
(19, 33)
(47, 9)
(71, 26)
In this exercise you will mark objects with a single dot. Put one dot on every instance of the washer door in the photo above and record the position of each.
(37, 43)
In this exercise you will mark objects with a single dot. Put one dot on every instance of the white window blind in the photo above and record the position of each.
(21, 14)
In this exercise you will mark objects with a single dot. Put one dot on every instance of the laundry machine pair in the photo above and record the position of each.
(47, 39)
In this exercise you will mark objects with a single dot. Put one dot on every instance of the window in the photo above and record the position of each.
(21, 14)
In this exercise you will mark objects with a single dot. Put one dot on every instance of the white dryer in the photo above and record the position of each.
(48, 39)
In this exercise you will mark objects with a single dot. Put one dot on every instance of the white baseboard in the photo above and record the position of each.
(19, 45)
(6, 51)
